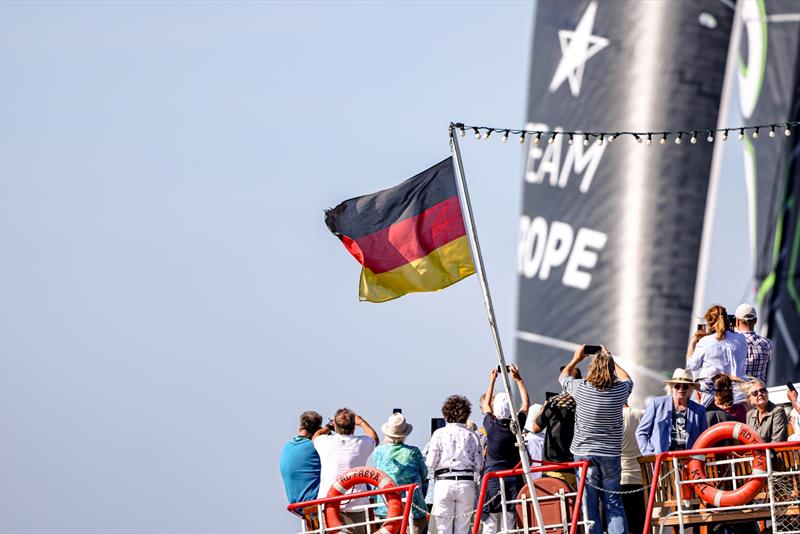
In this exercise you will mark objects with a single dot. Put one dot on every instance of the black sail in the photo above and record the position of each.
(769, 91)
(610, 232)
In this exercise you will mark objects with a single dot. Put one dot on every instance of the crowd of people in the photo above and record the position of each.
(723, 380)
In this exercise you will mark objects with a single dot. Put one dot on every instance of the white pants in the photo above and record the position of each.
(494, 523)
(452, 502)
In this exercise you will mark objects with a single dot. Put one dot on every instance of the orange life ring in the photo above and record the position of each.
(364, 475)
(697, 466)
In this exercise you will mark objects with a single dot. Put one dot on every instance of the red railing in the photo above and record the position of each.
(583, 464)
(408, 488)
(697, 452)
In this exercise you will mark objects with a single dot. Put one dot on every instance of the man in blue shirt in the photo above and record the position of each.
(300, 462)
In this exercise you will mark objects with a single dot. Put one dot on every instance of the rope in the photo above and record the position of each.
(627, 492)
(465, 514)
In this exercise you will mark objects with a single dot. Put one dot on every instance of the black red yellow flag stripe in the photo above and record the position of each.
(408, 238)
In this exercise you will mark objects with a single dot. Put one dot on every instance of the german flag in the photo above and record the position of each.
(408, 238)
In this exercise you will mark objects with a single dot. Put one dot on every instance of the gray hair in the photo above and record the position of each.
(393, 441)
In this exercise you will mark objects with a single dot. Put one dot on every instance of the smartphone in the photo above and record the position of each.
(508, 368)
(397, 410)
(592, 349)
(701, 327)
(549, 394)
(790, 386)
(437, 423)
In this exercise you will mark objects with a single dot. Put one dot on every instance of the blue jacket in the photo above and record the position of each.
(653, 433)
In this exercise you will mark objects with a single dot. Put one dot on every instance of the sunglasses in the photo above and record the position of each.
(680, 386)
(758, 391)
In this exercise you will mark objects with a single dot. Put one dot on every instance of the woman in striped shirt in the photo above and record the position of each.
(598, 432)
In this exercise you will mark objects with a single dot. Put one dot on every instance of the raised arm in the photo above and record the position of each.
(486, 401)
(577, 358)
(622, 374)
(368, 430)
(698, 334)
(523, 391)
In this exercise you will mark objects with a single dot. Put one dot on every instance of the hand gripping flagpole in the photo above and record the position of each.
(487, 300)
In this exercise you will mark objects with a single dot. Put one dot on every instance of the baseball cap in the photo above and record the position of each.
(746, 312)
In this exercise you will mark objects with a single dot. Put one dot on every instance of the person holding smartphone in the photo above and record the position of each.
(599, 400)
(501, 446)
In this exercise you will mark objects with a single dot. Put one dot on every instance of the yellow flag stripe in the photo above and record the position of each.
(444, 266)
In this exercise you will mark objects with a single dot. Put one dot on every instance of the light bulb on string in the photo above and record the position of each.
(664, 139)
(693, 139)
(787, 132)
(600, 139)
(741, 134)
(487, 133)
(710, 137)
(461, 131)
(505, 136)
(538, 138)
(638, 138)
(649, 139)
(571, 140)
(521, 137)
(725, 135)
(552, 139)
(477, 133)
(755, 134)
(772, 131)
(678, 139)
(585, 139)
(611, 138)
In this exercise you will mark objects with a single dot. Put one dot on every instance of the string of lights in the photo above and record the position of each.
(662, 137)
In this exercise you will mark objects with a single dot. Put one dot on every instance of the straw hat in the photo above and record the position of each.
(396, 427)
(681, 376)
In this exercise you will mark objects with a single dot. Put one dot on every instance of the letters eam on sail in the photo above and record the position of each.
(408, 238)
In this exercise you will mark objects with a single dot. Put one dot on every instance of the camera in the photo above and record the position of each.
(508, 368)
(330, 426)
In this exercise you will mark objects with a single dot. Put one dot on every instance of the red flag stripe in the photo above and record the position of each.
(409, 239)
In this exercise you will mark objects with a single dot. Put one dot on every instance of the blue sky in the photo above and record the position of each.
(171, 299)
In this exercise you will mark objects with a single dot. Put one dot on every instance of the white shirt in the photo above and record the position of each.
(794, 418)
(631, 472)
(456, 447)
(712, 356)
(338, 454)
(534, 442)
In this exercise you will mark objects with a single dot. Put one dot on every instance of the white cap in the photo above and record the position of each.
(746, 312)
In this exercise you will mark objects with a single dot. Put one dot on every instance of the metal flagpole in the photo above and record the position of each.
(487, 300)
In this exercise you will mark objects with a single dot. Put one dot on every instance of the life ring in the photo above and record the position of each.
(364, 475)
(697, 466)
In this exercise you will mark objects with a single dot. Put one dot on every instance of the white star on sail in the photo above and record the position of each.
(576, 48)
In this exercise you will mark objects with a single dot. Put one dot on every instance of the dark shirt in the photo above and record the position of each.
(501, 449)
(678, 433)
(558, 421)
(718, 414)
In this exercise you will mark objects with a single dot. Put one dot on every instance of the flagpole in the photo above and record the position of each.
(487, 300)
